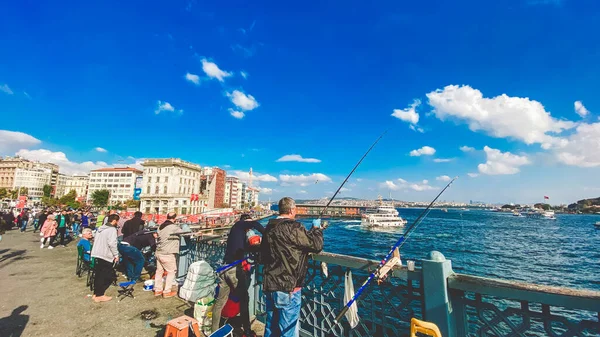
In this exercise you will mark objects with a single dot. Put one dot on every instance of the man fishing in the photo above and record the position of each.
(236, 279)
(284, 253)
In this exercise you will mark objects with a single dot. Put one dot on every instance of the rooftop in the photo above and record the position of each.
(117, 169)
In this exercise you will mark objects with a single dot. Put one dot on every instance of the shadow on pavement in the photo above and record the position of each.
(13, 325)
(15, 255)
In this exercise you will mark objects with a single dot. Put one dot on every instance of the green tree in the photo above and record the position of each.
(3, 193)
(23, 190)
(14, 194)
(100, 198)
(49, 202)
(47, 191)
(68, 198)
(132, 204)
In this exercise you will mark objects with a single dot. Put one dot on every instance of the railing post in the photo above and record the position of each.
(435, 292)
(183, 259)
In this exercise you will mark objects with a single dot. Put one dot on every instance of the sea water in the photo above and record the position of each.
(562, 252)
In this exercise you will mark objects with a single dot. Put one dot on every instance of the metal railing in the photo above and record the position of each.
(461, 305)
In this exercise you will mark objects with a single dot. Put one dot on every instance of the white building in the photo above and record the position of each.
(77, 183)
(249, 196)
(233, 192)
(173, 185)
(34, 180)
(119, 181)
(61, 183)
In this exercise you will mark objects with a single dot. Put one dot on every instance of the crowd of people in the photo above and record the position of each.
(113, 239)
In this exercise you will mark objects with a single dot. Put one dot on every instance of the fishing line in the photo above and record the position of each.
(398, 244)
(350, 174)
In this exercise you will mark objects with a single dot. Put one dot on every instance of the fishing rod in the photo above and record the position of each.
(398, 244)
(350, 174)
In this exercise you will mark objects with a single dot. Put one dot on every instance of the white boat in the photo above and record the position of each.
(549, 215)
(382, 216)
(597, 224)
(516, 213)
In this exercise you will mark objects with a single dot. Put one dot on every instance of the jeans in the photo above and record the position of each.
(283, 312)
(23, 225)
(36, 225)
(62, 231)
(75, 228)
(134, 261)
(238, 279)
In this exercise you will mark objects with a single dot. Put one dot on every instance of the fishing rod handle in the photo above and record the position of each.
(338, 318)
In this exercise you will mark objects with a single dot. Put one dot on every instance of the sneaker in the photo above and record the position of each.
(50, 247)
(42, 245)
(171, 294)
(158, 293)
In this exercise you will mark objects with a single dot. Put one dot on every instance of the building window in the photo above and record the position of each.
(158, 179)
(156, 190)
(166, 179)
(165, 189)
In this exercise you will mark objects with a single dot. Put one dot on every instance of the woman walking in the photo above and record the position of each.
(48, 231)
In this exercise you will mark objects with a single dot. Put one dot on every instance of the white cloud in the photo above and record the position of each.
(473, 175)
(243, 101)
(409, 115)
(467, 148)
(11, 141)
(443, 178)
(580, 109)
(416, 128)
(344, 189)
(405, 185)
(304, 180)
(501, 116)
(298, 158)
(302, 192)
(359, 179)
(581, 148)
(236, 114)
(212, 70)
(165, 106)
(192, 78)
(501, 162)
(442, 160)
(6, 89)
(424, 151)
(99, 149)
(244, 74)
(245, 176)
(266, 190)
(59, 158)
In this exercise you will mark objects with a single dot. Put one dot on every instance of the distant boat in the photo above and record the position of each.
(516, 213)
(549, 215)
(597, 225)
(382, 216)
(445, 210)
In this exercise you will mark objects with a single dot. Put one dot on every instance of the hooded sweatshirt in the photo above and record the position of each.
(105, 243)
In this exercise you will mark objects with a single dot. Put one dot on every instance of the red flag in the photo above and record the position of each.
(546, 197)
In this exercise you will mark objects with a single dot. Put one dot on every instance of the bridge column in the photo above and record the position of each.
(437, 304)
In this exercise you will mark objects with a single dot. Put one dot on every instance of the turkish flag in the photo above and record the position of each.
(546, 197)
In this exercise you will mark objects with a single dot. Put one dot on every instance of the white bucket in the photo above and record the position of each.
(149, 285)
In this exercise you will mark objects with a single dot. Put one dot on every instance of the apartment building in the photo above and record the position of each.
(233, 192)
(119, 181)
(33, 179)
(213, 186)
(173, 185)
(77, 183)
(8, 167)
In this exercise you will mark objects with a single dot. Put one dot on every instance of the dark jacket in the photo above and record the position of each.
(284, 253)
(58, 220)
(43, 217)
(10, 219)
(141, 239)
(237, 244)
(131, 226)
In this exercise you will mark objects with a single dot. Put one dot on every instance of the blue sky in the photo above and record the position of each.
(242, 84)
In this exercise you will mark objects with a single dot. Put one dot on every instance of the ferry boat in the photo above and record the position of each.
(549, 215)
(382, 216)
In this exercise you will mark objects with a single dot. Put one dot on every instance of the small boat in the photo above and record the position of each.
(445, 210)
(549, 215)
(597, 225)
(516, 213)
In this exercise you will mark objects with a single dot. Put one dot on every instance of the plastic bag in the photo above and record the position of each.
(203, 314)
(352, 313)
(199, 282)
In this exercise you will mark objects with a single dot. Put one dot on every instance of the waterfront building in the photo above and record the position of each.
(61, 183)
(249, 196)
(33, 179)
(233, 192)
(78, 183)
(8, 167)
(120, 182)
(212, 186)
(53, 175)
(172, 184)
